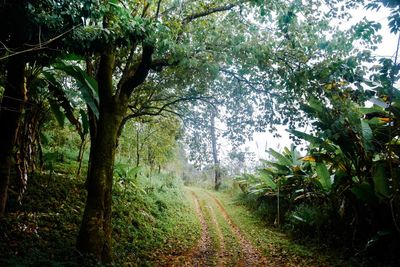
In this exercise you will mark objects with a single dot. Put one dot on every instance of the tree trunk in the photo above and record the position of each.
(27, 145)
(10, 114)
(80, 154)
(95, 232)
(217, 170)
(137, 149)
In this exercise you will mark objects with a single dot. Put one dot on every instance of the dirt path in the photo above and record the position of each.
(222, 255)
(202, 255)
(250, 255)
(211, 252)
(222, 243)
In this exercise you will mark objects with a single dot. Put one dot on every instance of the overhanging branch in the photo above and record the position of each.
(207, 12)
(140, 74)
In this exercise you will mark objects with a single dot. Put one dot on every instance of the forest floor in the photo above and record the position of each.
(161, 227)
(232, 236)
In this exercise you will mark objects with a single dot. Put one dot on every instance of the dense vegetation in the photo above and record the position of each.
(109, 107)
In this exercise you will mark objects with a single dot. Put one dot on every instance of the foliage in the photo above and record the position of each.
(60, 147)
(275, 245)
(151, 213)
(346, 178)
(149, 142)
(42, 231)
(283, 58)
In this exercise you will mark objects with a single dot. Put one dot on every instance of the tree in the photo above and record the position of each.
(217, 167)
(13, 97)
(143, 57)
(26, 36)
(128, 36)
(149, 141)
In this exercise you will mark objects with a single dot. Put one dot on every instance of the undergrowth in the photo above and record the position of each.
(273, 243)
(148, 216)
(155, 218)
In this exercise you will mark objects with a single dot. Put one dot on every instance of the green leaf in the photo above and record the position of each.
(85, 121)
(279, 168)
(134, 171)
(86, 84)
(323, 176)
(380, 178)
(281, 158)
(49, 76)
(312, 140)
(60, 116)
(371, 110)
(367, 135)
(266, 178)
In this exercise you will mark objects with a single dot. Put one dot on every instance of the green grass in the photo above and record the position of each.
(231, 243)
(273, 244)
(215, 242)
(150, 220)
(153, 222)
(43, 230)
(205, 208)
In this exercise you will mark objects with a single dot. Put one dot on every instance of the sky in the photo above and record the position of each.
(263, 141)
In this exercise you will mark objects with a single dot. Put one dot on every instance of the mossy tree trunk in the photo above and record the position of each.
(95, 233)
(10, 115)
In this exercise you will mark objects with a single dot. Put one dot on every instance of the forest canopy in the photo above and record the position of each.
(118, 91)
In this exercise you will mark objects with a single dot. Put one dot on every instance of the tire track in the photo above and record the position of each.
(222, 255)
(251, 256)
(203, 253)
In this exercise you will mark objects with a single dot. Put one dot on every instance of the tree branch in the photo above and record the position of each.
(104, 76)
(140, 73)
(62, 100)
(127, 68)
(207, 12)
(36, 47)
(158, 9)
(242, 79)
(159, 64)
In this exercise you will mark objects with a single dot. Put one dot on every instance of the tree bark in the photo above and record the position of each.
(27, 145)
(12, 105)
(95, 232)
(80, 154)
(217, 170)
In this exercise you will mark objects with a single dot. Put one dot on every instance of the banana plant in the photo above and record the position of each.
(62, 101)
(284, 178)
(356, 153)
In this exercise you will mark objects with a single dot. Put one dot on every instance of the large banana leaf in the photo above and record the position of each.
(282, 160)
(381, 182)
(313, 140)
(85, 121)
(323, 176)
(55, 108)
(86, 84)
(367, 135)
(266, 178)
